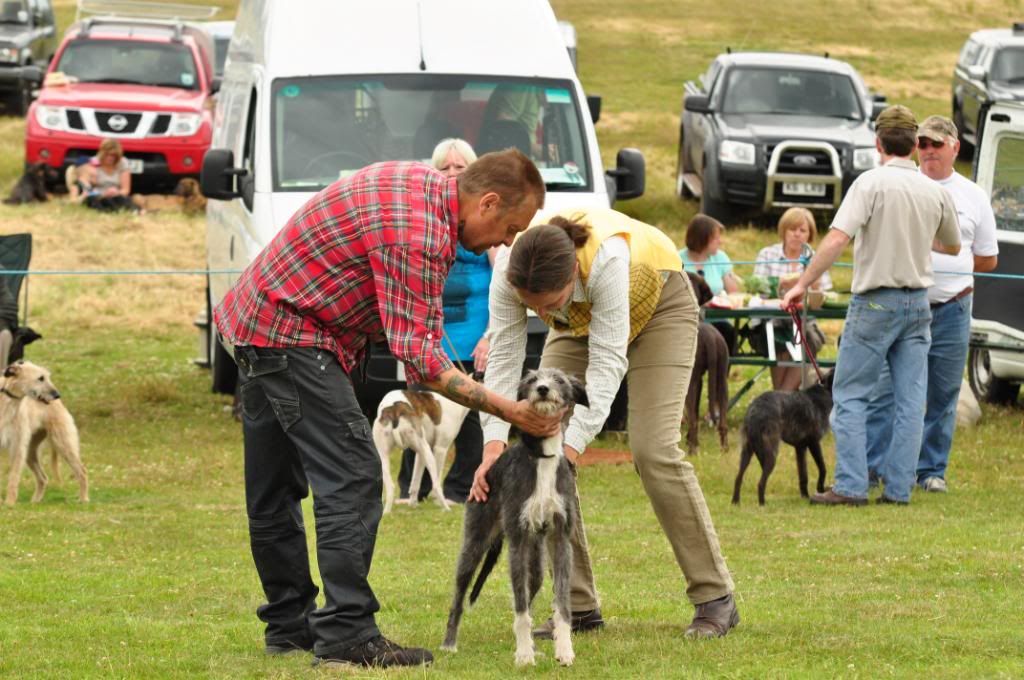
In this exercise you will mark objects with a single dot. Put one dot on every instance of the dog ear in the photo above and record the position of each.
(579, 393)
(12, 370)
(524, 385)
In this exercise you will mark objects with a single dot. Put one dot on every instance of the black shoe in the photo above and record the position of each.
(885, 500)
(581, 623)
(378, 652)
(288, 647)
(714, 619)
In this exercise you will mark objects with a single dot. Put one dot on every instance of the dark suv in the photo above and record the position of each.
(990, 68)
(764, 131)
(28, 37)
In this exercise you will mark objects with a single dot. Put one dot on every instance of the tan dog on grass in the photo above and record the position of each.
(425, 422)
(30, 413)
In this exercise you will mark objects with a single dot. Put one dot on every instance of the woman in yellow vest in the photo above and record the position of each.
(612, 291)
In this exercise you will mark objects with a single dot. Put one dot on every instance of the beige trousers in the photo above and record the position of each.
(660, 362)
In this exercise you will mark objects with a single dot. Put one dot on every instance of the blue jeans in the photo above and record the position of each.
(951, 332)
(885, 327)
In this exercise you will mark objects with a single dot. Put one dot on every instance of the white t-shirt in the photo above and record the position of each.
(977, 237)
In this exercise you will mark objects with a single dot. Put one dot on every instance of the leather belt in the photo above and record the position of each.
(964, 293)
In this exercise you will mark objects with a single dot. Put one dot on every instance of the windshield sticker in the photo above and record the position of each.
(567, 174)
(558, 96)
(187, 79)
(291, 91)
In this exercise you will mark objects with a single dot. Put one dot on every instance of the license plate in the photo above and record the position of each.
(134, 165)
(803, 189)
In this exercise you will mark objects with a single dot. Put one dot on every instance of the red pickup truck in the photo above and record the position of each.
(146, 83)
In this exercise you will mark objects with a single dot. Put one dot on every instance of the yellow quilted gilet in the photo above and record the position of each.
(651, 252)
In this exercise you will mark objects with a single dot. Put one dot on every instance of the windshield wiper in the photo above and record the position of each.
(114, 81)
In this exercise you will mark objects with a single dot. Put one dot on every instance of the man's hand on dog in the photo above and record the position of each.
(528, 420)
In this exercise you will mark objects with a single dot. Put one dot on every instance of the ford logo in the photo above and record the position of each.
(805, 160)
(117, 122)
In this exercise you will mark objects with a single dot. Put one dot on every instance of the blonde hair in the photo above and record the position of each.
(792, 218)
(110, 146)
(461, 147)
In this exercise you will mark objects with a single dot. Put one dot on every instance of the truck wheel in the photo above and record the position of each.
(720, 210)
(966, 148)
(223, 371)
(681, 190)
(18, 102)
(984, 384)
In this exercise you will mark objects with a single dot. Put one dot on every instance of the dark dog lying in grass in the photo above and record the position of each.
(31, 186)
(712, 358)
(797, 418)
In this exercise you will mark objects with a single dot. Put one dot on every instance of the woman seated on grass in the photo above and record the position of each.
(797, 230)
(107, 181)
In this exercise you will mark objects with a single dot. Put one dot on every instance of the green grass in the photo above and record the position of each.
(153, 578)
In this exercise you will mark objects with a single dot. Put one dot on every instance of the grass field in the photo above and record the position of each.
(153, 578)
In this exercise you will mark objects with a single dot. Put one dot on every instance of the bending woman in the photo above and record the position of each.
(612, 292)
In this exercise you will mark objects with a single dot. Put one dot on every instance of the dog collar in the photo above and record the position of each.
(5, 391)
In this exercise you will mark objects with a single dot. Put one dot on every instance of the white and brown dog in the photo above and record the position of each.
(30, 413)
(425, 422)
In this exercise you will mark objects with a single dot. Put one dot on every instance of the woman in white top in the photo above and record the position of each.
(796, 230)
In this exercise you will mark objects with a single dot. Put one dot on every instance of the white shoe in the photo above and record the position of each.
(934, 484)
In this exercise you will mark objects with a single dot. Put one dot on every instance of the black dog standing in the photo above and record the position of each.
(797, 418)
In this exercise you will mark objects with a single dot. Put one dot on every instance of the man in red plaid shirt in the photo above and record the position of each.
(364, 259)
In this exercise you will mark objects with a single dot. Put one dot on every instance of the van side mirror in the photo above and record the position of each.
(217, 176)
(594, 104)
(32, 74)
(697, 103)
(629, 174)
(878, 97)
(877, 108)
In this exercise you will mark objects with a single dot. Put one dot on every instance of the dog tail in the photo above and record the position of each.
(489, 561)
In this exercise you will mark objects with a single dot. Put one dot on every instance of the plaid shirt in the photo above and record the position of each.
(364, 259)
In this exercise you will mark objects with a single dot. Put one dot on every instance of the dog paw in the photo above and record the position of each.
(565, 659)
(524, 659)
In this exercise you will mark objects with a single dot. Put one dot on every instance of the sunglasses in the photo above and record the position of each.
(924, 143)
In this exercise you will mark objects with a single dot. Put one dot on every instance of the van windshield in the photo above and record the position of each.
(791, 92)
(131, 62)
(325, 128)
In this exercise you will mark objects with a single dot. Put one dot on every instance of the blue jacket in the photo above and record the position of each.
(465, 303)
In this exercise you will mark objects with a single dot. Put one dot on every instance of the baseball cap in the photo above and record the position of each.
(896, 116)
(937, 129)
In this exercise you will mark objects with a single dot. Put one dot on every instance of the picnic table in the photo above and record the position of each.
(742, 317)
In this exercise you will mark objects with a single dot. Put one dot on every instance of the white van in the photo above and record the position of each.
(314, 91)
(995, 365)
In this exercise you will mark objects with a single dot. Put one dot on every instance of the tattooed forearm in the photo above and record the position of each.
(469, 393)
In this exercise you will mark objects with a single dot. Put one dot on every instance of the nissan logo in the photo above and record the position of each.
(117, 122)
(805, 160)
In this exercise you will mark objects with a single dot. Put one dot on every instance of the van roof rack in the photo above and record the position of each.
(137, 9)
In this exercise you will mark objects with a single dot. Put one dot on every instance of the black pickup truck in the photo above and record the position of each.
(763, 131)
(28, 37)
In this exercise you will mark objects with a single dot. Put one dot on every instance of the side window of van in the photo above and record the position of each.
(1007, 179)
(969, 53)
(247, 183)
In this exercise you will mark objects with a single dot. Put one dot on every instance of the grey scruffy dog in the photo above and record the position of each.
(530, 504)
(797, 418)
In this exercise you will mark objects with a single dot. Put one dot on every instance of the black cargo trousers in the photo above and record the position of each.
(304, 430)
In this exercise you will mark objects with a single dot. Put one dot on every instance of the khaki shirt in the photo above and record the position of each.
(893, 214)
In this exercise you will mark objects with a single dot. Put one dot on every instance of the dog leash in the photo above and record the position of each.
(799, 325)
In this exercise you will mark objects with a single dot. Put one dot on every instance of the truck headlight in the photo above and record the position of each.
(184, 124)
(8, 55)
(51, 117)
(866, 158)
(740, 153)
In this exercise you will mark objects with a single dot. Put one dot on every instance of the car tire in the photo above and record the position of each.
(966, 148)
(984, 384)
(18, 103)
(720, 210)
(681, 190)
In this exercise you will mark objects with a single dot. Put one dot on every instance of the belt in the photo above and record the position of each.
(964, 293)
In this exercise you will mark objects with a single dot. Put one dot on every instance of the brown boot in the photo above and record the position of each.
(714, 619)
(581, 623)
(830, 497)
